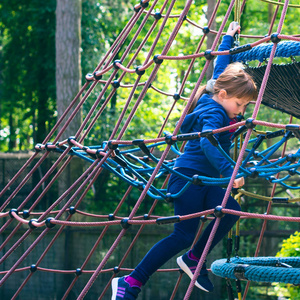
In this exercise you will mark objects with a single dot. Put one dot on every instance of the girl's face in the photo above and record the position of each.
(233, 106)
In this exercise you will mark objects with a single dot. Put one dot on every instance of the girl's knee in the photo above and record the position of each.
(232, 218)
(233, 204)
(235, 218)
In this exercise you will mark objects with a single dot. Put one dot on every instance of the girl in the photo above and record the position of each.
(214, 107)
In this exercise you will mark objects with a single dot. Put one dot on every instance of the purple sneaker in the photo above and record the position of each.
(121, 290)
(189, 266)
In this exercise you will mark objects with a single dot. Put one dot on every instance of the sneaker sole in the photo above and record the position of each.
(187, 271)
(114, 287)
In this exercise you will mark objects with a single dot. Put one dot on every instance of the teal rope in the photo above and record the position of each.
(136, 173)
(260, 269)
(262, 52)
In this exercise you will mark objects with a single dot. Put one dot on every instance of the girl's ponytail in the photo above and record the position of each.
(199, 93)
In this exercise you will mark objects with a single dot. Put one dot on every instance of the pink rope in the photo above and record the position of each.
(74, 114)
(151, 77)
(79, 129)
(264, 225)
(216, 224)
(137, 221)
(118, 124)
(62, 129)
(98, 241)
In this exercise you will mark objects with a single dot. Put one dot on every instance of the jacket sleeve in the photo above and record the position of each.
(223, 61)
(210, 121)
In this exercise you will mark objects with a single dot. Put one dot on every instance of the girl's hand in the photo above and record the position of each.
(233, 28)
(239, 182)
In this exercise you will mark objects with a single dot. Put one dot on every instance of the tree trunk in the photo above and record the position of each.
(68, 75)
(12, 134)
(68, 70)
(68, 82)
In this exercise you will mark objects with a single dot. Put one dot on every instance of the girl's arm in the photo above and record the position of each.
(214, 119)
(223, 61)
(211, 122)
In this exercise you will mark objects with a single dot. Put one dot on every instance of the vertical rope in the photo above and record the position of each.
(143, 194)
(264, 225)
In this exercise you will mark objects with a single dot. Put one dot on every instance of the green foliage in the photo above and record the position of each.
(28, 89)
(290, 248)
(27, 72)
(102, 21)
(154, 107)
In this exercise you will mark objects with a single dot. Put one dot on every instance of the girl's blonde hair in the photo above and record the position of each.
(235, 80)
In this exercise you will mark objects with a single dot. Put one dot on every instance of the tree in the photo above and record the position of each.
(68, 68)
(68, 77)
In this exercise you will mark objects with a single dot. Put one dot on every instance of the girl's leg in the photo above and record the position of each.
(184, 232)
(214, 198)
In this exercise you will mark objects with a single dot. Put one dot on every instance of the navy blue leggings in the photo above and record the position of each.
(195, 199)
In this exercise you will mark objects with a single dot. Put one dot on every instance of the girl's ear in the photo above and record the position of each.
(222, 94)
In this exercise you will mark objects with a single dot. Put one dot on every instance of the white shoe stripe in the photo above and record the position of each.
(114, 286)
(183, 266)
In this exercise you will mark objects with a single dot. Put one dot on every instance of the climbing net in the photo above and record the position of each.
(135, 161)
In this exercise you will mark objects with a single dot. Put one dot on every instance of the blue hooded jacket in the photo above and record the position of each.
(199, 154)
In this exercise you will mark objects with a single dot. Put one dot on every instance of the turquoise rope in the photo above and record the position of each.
(260, 269)
(262, 52)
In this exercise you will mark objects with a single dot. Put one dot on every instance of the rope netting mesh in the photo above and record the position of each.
(123, 157)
